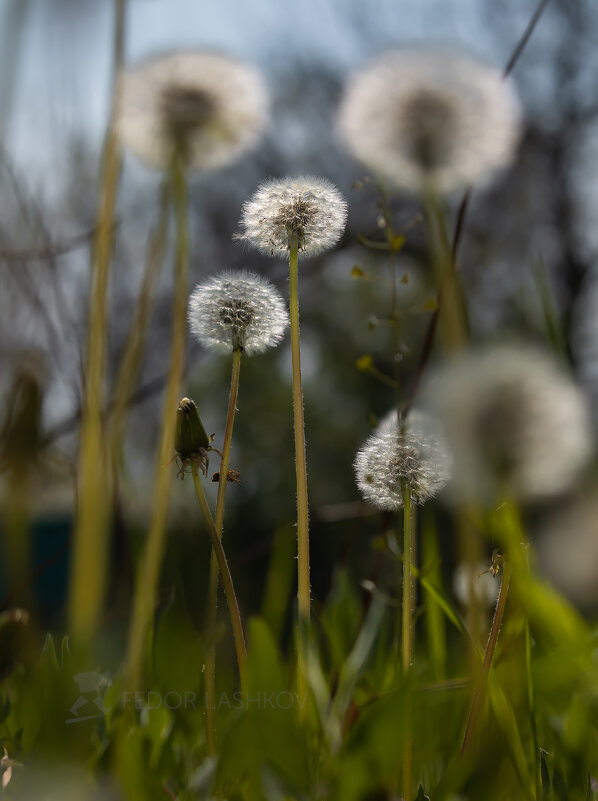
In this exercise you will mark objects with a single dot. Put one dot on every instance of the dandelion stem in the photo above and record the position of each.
(407, 635)
(150, 570)
(407, 632)
(450, 302)
(213, 580)
(303, 590)
(478, 695)
(133, 351)
(227, 582)
(90, 553)
(228, 439)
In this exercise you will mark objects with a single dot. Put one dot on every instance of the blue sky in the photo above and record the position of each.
(61, 67)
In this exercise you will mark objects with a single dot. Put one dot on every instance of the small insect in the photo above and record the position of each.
(496, 563)
(231, 475)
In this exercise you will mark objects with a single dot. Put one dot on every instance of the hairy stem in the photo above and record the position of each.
(213, 580)
(303, 591)
(227, 582)
(407, 632)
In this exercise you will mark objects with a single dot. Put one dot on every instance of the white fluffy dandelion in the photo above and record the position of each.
(413, 455)
(430, 116)
(210, 107)
(518, 427)
(306, 210)
(237, 311)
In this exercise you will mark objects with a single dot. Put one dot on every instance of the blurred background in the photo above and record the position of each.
(528, 267)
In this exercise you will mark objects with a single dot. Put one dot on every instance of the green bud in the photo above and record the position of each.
(190, 436)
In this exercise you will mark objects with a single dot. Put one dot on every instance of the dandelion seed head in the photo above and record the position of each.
(424, 116)
(517, 425)
(308, 210)
(209, 107)
(237, 310)
(413, 455)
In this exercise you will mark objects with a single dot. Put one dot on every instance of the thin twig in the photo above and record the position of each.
(524, 38)
(51, 250)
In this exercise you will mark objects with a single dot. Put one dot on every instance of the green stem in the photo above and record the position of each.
(450, 302)
(303, 591)
(132, 355)
(407, 633)
(228, 439)
(149, 574)
(478, 695)
(227, 582)
(213, 579)
(407, 636)
(91, 541)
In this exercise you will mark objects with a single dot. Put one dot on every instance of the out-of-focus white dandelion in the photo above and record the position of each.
(308, 211)
(430, 117)
(518, 426)
(485, 585)
(413, 455)
(237, 311)
(585, 340)
(209, 107)
(566, 547)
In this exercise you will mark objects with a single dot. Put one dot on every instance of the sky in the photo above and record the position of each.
(58, 52)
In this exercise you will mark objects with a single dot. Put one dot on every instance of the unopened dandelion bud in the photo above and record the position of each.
(306, 212)
(237, 311)
(190, 436)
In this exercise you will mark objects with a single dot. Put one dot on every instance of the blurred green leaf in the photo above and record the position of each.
(279, 581)
(440, 598)
(340, 618)
(508, 724)
(177, 652)
(545, 775)
(264, 671)
(355, 662)
(157, 722)
(559, 785)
